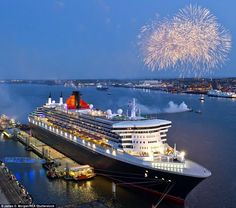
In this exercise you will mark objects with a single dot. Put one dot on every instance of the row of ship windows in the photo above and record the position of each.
(137, 132)
(147, 136)
(143, 147)
(136, 142)
(138, 137)
(132, 147)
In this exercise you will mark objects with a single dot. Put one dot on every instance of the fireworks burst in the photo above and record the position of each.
(192, 40)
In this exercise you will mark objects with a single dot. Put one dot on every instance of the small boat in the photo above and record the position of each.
(198, 111)
(202, 98)
(79, 173)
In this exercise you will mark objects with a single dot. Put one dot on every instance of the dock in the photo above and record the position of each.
(57, 163)
(45, 151)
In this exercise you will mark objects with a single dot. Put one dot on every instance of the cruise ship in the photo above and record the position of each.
(219, 93)
(128, 148)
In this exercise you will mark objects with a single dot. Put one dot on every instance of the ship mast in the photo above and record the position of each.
(133, 109)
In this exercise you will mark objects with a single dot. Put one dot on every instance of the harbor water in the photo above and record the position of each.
(207, 135)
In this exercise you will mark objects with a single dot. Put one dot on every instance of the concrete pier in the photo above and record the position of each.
(45, 151)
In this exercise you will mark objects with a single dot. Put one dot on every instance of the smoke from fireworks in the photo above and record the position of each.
(192, 40)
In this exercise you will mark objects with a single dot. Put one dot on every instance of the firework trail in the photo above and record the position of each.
(192, 41)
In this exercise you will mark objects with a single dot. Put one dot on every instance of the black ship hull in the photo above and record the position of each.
(158, 182)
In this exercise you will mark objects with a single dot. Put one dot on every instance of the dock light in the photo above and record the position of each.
(94, 146)
(89, 144)
(108, 151)
(83, 142)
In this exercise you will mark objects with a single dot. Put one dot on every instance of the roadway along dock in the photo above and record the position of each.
(58, 164)
(12, 192)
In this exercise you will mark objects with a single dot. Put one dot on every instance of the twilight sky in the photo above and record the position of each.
(77, 39)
